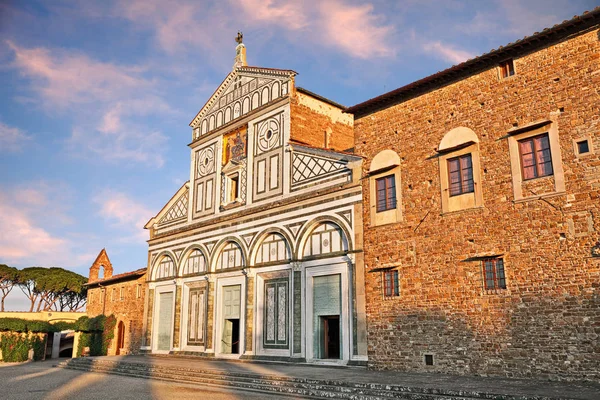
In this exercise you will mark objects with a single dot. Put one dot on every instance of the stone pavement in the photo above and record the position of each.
(488, 385)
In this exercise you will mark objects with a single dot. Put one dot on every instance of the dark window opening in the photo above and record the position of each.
(330, 328)
(507, 68)
(386, 193)
(583, 147)
(234, 188)
(536, 159)
(390, 284)
(460, 175)
(493, 270)
(428, 359)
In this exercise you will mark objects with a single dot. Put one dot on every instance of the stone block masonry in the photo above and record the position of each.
(546, 322)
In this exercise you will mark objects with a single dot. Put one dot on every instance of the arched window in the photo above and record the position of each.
(195, 263)
(273, 248)
(459, 170)
(231, 256)
(385, 188)
(165, 268)
(326, 238)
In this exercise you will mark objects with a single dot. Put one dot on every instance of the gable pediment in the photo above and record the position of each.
(243, 90)
(175, 211)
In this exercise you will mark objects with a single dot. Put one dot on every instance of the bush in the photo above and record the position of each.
(15, 346)
(24, 326)
(96, 333)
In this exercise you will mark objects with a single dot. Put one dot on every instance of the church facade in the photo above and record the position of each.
(259, 254)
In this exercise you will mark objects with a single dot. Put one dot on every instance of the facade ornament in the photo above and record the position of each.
(296, 266)
(239, 38)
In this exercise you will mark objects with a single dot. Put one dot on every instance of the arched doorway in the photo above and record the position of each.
(120, 337)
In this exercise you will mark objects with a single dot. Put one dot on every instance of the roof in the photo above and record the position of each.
(120, 277)
(319, 97)
(264, 69)
(577, 25)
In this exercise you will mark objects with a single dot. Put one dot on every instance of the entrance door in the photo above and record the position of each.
(230, 337)
(165, 318)
(330, 336)
(327, 300)
(120, 337)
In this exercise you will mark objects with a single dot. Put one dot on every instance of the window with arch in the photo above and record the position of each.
(272, 249)
(460, 177)
(195, 263)
(165, 268)
(231, 256)
(326, 238)
(385, 188)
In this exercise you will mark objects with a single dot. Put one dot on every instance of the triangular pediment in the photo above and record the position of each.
(243, 90)
(175, 211)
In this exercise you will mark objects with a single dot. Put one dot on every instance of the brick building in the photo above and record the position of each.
(482, 212)
(258, 255)
(121, 295)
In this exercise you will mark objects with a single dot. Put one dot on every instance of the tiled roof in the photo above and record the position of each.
(538, 40)
(120, 277)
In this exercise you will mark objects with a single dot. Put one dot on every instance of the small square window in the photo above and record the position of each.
(583, 147)
(391, 288)
(428, 359)
(493, 273)
(386, 193)
(507, 68)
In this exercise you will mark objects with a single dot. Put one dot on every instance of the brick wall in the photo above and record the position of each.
(129, 310)
(547, 322)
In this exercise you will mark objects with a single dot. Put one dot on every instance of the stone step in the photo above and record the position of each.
(307, 388)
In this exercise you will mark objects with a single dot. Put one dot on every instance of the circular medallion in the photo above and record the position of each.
(325, 242)
(268, 135)
(206, 163)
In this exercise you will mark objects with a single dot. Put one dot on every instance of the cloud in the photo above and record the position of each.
(446, 52)
(24, 241)
(106, 100)
(355, 30)
(11, 138)
(124, 213)
(290, 15)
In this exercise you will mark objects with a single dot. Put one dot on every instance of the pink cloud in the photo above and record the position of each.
(356, 30)
(12, 138)
(24, 241)
(64, 79)
(446, 52)
(125, 213)
(290, 15)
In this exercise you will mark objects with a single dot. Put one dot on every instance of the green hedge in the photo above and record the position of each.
(24, 326)
(15, 347)
(96, 333)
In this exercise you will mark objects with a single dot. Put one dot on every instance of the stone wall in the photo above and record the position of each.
(129, 309)
(313, 120)
(546, 323)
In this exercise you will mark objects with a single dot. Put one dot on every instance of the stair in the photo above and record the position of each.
(274, 384)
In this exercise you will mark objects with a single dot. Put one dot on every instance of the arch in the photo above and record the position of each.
(457, 137)
(230, 253)
(219, 118)
(246, 105)
(194, 261)
(383, 160)
(204, 128)
(120, 337)
(255, 100)
(275, 90)
(324, 235)
(237, 110)
(163, 269)
(265, 96)
(227, 115)
(271, 239)
(211, 123)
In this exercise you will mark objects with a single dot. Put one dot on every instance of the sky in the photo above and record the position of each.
(96, 96)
